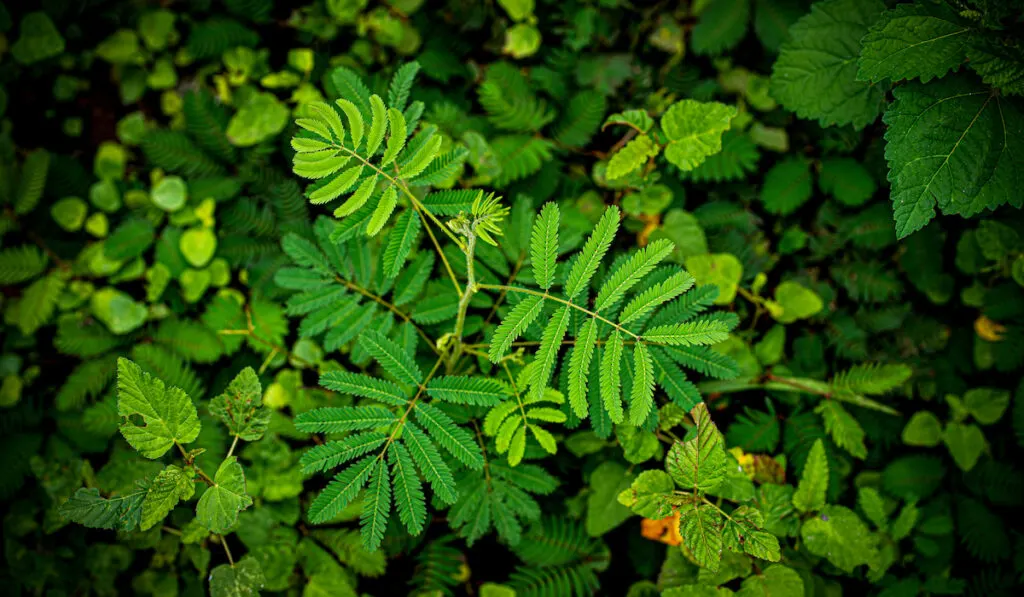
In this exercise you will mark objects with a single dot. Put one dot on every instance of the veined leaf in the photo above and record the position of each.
(921, 40)
(241, 580)
(89, 509)
(694, 130)
(810, 492)
(170, 486)
(240, 406)
(168, 415)
(220, 504)
(840, 536)
(816, 73)
(701, 529)
(954, 145)
(698, 464)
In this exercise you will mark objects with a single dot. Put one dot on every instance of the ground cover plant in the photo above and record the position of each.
(512, 298)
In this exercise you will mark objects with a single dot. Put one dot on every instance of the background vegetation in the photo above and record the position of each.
(511, 298)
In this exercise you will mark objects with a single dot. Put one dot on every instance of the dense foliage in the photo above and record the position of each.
(513, 298)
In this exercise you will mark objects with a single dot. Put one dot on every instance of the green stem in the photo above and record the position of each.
(387, 305)
(227, 551)
(467, 295)
(231, 451)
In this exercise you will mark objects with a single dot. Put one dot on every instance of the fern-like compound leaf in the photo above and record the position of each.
(579, 367)
(408, 490)
(589, 259)
(550, 344)
(699, 332)
(631, 272)
(376, 506)
(340, 492)
(544, 246)
(456, 440)
(330, 454)
(364, 385)
(401, 84)
(475, 391)
(336, 419)
(513, 326)
(400, 242)
(391, 357)
(656, 295)
(396, 138)
(611, 362)
(642, 398)
(632, 156)
(430, 463)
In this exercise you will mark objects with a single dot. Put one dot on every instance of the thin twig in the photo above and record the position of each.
(545, 295)
(227, 551)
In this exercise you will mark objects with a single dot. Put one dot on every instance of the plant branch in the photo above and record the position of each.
(227, 551)
(387, 305)
(545, 295)
(231, 450)
(412, 404)
(467, 295)
(504, 293)
(420, 209)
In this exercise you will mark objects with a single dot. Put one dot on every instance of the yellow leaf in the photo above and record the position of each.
(747, 461)
(665, 530)
(989, 330)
